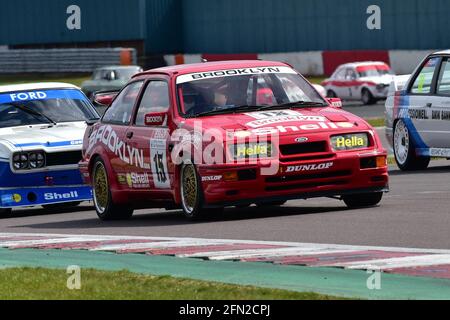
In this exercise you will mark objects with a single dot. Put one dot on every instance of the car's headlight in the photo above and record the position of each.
(251, 150)
(351, 141)
(36, 160)
(29, 160)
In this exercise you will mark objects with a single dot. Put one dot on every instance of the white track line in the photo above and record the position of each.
(395, 263)
(256, 253)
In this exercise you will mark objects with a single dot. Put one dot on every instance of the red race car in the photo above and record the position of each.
(202, 137)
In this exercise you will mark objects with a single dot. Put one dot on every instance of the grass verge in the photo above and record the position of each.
(379, 122)
(50, 284)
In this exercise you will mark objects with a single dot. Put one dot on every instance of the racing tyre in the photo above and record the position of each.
(404, 150)
(104, 205)
(367, 97)
(58, 206)
(331, 94)
(192, 198)
(363, 200)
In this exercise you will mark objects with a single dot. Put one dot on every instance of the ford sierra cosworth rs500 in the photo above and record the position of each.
(206, 136)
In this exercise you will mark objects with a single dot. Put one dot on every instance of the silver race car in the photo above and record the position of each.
(418, 113)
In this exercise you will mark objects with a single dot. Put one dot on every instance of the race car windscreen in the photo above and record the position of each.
(250, 88)
(44, 107)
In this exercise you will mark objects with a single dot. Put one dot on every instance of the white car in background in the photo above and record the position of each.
(418, 113)
(362, 81)
(41, 135)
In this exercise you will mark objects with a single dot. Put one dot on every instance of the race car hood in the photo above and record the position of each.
(43, 137)
(312, 120)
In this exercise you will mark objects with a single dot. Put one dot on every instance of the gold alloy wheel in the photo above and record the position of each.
(100, 187)
(189, 188)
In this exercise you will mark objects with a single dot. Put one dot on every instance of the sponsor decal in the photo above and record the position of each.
(137, 180)
(272, 117)
(42, 95)
(158, 158)
(127, 154)
(211, 178)
(438, 152)
(245, 151)
(233, 72)
(306, 127)
(350, 142)
(61, 196)
(11, 198)
(310, 167)
(154, 119)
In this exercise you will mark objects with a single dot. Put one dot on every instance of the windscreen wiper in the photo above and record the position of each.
(298, 104)
(36, 113)
(225, 111)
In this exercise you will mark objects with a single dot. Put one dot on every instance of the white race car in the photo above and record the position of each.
(418, 113)
(41, 131)
(364, 81)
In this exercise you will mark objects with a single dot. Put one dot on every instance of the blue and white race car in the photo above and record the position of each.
(41, 131)
(418, 113)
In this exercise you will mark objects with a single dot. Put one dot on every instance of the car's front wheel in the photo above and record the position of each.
(404, 150)
(192, 198)
(104, 205)
(363, 200)
(331, 94)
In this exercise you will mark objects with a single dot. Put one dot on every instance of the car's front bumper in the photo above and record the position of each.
(344, 177)
(36, 196)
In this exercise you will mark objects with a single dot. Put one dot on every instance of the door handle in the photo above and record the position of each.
(130, 134)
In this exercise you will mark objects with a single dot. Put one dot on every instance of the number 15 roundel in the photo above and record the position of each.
(158, 159)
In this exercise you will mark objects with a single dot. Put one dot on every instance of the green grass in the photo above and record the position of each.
(49, 284)
(75, 79)
(316, 80)
(380, 122)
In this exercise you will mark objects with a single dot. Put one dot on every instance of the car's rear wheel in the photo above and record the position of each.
(404, 150)
(367, 97)
(363, 200)
(192, 197)
(104, 205)
(58, 206)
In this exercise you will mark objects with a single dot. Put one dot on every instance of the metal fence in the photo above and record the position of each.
(63, 60)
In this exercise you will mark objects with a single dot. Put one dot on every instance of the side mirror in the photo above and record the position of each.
(105, 98)
(156, 119)
(335, 102)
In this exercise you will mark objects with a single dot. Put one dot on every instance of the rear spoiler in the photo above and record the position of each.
(398, 84)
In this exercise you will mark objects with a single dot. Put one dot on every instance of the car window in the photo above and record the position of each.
(443, 86)
(340, 74)
(424, 80)
(122, 108)
(155, 99)
(350, 74)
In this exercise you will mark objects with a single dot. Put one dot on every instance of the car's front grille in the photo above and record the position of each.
(303, 148)
(63, 158)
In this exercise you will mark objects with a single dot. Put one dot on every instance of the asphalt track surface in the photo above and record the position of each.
(375, 111)
(416, 214)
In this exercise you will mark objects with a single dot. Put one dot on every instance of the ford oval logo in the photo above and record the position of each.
(301, 140)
